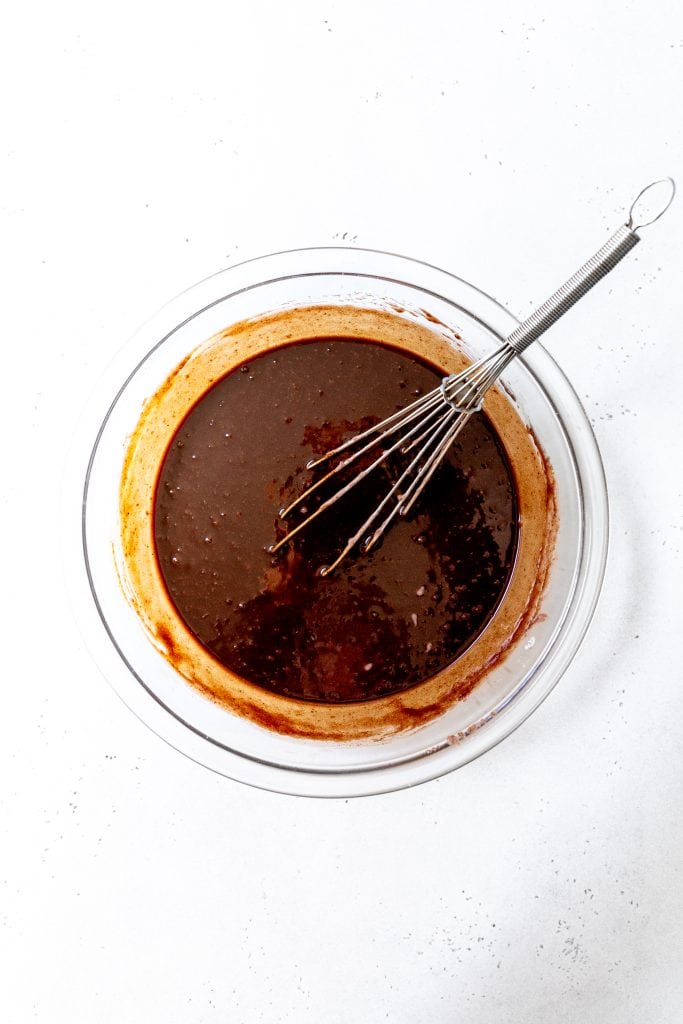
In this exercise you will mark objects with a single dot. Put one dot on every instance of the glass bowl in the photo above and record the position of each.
(235, 746)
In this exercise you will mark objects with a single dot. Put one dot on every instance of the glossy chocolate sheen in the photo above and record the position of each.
(383, 622)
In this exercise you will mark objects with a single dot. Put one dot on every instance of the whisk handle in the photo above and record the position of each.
(648, 206)
(574, 289)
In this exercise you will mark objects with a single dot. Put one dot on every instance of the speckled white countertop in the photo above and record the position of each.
(147, 145)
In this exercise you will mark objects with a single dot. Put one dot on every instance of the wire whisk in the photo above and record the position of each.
(425, 429)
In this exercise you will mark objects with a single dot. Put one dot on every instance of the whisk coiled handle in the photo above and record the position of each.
(641, 214)
(574, 289)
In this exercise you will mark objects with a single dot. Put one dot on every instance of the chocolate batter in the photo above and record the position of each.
(382, 622)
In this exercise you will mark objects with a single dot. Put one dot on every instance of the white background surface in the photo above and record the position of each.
(145, 146)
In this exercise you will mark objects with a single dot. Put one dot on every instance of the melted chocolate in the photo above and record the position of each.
(382, 622)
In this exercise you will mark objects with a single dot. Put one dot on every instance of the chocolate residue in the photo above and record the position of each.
(160, 421)
(380, 623)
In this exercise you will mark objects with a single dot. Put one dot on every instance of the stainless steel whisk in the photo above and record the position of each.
(429, 425)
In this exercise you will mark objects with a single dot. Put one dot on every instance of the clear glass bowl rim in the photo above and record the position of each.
(490, 314)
